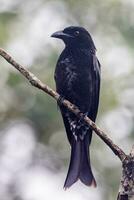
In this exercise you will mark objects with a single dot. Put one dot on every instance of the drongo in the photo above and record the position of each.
(77, 77)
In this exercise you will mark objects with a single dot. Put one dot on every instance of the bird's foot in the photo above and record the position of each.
(81, 120)
(60, 100)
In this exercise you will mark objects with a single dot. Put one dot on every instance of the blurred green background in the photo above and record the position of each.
(31, 128)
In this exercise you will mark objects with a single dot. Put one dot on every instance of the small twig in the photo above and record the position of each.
(132, 151)
(37, 83)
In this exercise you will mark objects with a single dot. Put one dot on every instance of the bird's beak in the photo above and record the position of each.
(60, 35)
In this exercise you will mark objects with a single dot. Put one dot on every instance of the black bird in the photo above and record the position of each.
(77, 77)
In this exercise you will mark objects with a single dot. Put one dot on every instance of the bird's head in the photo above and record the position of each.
(75, 36)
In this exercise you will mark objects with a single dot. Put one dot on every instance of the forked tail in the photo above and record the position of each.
(79, 167)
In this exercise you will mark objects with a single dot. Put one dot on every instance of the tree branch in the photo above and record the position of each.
(126, 191)
(37, 83)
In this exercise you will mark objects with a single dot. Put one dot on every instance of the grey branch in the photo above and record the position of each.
(37, 83)
(126, 191)
(126, 160)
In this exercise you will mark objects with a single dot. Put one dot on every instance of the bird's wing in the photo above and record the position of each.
(96, 86)
(67, 125)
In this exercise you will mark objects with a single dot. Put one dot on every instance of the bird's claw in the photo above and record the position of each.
(60, 100)
(82, 117)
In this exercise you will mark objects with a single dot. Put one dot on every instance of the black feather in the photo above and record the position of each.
(77, 77)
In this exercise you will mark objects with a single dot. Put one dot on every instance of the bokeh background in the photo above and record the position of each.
(34, 152)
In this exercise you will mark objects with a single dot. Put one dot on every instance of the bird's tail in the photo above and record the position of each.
(79, 167)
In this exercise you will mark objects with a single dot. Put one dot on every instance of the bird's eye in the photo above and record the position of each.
(76, 33)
